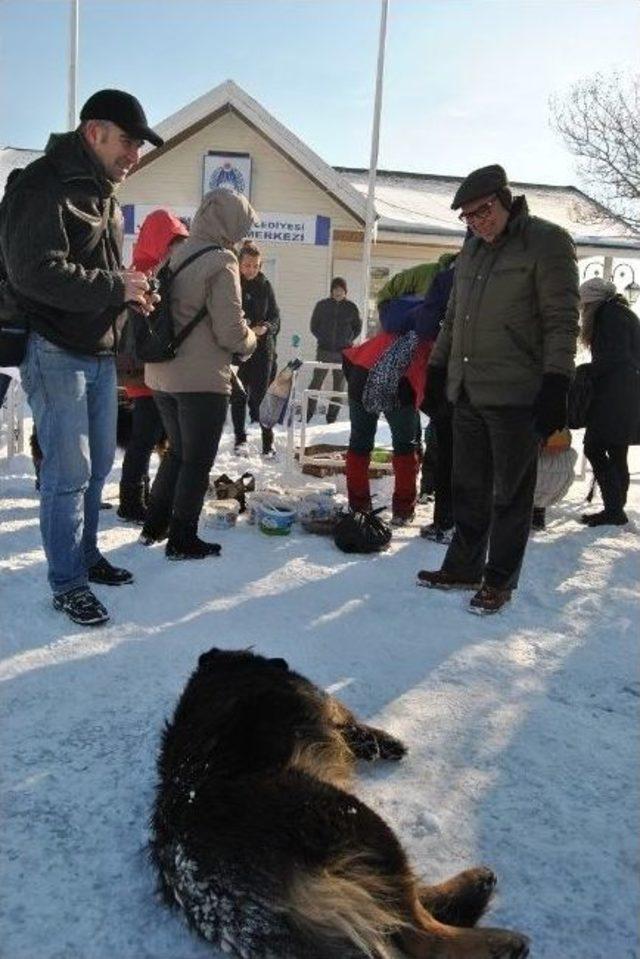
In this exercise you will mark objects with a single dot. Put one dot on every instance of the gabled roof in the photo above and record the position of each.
(228, 96)
(420, 203)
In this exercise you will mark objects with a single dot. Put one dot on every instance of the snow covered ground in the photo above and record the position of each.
(522, 728)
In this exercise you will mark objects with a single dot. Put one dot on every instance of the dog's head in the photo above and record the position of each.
(220, 659)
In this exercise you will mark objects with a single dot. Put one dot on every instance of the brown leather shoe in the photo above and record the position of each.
(488, 600)
(441, 579)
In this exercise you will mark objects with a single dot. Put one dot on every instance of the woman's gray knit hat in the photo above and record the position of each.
(596, 290)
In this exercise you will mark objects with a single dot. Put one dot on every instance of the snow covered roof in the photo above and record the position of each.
(420, 203)
(406, 203)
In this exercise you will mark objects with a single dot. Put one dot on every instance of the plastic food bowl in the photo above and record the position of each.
(275, 520)
(222, 513)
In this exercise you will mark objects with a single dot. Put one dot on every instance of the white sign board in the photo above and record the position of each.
(294, 228)
(227, 171)
(291, 228)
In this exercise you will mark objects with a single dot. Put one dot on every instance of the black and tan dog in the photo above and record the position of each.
(256, 837)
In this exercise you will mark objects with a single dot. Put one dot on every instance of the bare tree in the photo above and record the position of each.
(599, 120)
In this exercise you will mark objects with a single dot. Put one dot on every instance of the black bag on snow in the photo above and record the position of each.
(580, 397)
(358, 532)
(154, 338)
(227, 488)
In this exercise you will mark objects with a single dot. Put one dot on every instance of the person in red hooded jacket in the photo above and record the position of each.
(158, 234)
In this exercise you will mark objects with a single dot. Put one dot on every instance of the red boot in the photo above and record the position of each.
(358, 481)
(405, 471)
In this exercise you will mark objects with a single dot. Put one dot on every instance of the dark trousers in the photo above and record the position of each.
(611, 470)
(429, 459)
(146, 433)
(495, 460)
(402, 423)
(193, 423)
(318, 378)
(5, 381)
(254, 377)
(442, 424)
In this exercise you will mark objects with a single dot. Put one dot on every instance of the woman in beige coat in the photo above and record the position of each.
(192, 391)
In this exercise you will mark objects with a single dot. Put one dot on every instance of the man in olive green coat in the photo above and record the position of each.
(504, 358)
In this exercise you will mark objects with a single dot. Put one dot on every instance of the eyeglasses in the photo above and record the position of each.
(480, 213)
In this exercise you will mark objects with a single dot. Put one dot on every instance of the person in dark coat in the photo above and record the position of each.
(336, 324)
(255, 374)
(429, 317)
(61, 232)
(612, 332)
(505, 358)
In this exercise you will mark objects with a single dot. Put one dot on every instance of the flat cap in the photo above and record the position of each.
(482, 182)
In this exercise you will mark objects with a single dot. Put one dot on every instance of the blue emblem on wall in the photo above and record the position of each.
(227, 177)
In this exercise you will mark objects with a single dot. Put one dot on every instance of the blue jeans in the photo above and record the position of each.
(74, 404)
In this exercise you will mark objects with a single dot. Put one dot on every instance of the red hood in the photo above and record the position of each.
(156, 234)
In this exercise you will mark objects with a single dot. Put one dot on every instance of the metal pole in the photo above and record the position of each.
(373, 166)
(74, 32)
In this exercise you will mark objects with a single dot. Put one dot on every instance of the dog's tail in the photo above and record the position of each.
(350, 900)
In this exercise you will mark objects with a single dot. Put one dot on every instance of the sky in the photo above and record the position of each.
(467, 82)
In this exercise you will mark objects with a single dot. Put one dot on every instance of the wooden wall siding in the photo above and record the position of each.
(302, 272)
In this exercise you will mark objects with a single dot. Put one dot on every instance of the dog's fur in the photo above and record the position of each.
(255, 836)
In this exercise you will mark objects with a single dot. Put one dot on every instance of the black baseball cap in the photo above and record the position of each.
(122, 109)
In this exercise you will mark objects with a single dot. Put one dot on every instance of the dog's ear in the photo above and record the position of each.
(207, 658)
(278, 663)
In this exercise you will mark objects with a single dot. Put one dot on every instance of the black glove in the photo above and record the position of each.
(435, 394)
(550, 405)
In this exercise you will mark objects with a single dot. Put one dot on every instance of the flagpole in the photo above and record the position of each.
(74, 32)
(373, 166)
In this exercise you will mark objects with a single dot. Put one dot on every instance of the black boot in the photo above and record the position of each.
(184, 543)
(613, 513)
(155, 528)
(132, 503)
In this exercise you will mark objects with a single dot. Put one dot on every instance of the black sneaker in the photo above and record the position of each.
(107, 575)
(81, 606)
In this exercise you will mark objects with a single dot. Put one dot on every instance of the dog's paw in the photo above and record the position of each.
(461, 900)
(502, 944)
(391, 748)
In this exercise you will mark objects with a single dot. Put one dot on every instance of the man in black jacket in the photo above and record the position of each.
(336, 324)
(61, 241)
(255, 374)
